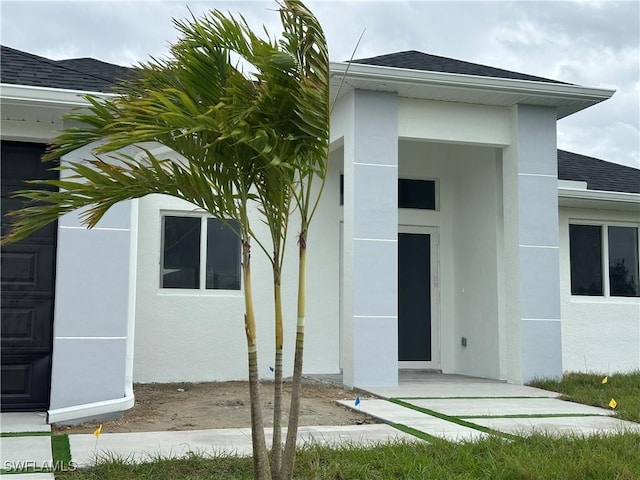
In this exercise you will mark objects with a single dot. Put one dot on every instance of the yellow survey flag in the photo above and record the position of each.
(613, 403)
(98, 431)
(605, 379)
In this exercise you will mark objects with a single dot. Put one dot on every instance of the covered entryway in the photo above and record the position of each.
(418, 338)
(493, 159)
(28, 271)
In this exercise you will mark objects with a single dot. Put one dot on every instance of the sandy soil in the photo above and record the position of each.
(195, 406)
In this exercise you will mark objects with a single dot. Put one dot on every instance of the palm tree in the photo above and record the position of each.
(241, 139)
(292, 121)
(315, 111)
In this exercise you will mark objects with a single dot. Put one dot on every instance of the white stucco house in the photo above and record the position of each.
(452, 235)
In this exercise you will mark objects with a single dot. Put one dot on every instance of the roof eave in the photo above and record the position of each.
(568, 99)
(600, 199)
(58, 97)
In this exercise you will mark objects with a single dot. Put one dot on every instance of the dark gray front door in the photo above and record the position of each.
(27, 284)
(414, 297)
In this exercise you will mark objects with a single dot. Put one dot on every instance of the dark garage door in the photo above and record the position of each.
(28, 269)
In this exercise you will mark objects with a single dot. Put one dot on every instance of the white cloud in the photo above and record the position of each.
(589, 43)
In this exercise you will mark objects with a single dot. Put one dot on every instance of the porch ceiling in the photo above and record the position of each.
(447, 87)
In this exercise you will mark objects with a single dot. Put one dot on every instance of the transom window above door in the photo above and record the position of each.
(419, 194)
(412, 193)
(199, 252)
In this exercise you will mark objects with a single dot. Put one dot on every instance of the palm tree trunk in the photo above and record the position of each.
(276, 447)
(261, 469)
(288, 460)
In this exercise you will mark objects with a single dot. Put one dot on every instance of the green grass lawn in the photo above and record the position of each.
(533, 458)
(537, 457)
(588, 388)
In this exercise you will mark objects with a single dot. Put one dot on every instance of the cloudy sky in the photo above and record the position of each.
(590, 43)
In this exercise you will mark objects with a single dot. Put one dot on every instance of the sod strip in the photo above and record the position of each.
(457, 420)
(24, 434)
(61, 450)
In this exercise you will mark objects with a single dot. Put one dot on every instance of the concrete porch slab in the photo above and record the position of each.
(457, 407)
(557, 426)
(445, 386)
(15, 422)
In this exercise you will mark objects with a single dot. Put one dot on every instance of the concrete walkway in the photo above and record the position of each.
(141, 446)
(31, 447)
(459, 408)
(451, 407)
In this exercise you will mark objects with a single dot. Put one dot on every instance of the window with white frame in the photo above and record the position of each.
(598, 248)
(199, 252)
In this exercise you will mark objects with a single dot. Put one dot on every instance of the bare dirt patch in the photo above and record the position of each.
(196, 406)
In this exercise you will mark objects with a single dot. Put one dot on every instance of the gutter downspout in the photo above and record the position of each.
(117, 405)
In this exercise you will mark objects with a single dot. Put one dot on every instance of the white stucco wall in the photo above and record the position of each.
(475, 242)
(453, 122)
(599, 334)
(194, 336)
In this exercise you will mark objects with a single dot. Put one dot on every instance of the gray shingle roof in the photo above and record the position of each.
(414, 60)
(88, 74)
(599, 174)
(21, 68)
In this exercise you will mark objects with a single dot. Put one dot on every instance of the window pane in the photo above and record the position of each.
(420, 194)
(585, 246)
(223, 256)
(623, 261)
(417, 194)
(181, 252)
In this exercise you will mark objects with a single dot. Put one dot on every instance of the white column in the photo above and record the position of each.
(370, 265)
(532, 198)
(94, 313)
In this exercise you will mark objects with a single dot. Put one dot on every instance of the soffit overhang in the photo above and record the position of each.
(449, 87)
(598, 199)
(40, 104)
